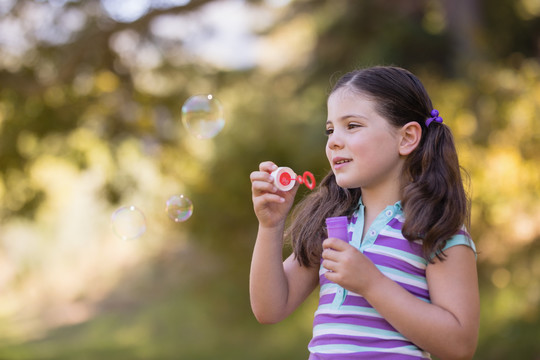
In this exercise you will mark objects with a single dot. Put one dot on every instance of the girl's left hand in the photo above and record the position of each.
(348, 267)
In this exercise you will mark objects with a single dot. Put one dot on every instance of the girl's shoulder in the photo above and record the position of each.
(461, 238)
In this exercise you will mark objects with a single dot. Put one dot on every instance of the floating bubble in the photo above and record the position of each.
(128, 222)
(202, 116)
(179, 208)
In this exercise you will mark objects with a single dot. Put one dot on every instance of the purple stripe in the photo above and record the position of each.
(416, 291)
(395, 224)
(360, 320)
(399, 244)
(463, 232)
(363, 356)
(358, 341)
(323, 280)
(356, 301)
(393, 263)
(360, 301)
(326, 299)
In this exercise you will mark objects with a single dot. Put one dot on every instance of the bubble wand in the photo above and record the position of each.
(285, 178)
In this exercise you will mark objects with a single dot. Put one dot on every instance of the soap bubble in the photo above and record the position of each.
(202, 116)
(128, 222)
(179, 208)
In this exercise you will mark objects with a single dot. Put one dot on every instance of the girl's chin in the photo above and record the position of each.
(346, 184)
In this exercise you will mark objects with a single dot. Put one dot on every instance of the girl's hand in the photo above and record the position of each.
(348, 267)
(271, 205)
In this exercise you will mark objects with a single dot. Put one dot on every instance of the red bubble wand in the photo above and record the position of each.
(285, 178)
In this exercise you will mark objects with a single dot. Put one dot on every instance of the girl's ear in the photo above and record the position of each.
(410, 133)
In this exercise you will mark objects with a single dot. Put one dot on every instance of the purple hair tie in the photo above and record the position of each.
(435, 117)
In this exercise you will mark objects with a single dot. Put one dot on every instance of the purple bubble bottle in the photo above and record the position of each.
(337, 227)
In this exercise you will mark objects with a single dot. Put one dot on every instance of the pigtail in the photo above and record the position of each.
(434, 199)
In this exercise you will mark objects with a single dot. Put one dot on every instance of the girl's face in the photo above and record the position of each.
(362, 147)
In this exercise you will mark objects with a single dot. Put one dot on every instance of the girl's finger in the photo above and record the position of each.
(260, 187)
(267, 166)
(327, 244)
(269, 198)
(261, 176)
(328, 254)
(329, 265)
(335, 244)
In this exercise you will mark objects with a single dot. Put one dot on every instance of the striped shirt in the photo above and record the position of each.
(346, 326)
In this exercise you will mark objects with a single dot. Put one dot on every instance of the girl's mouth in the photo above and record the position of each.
(339, 162)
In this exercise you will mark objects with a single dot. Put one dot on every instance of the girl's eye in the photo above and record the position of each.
(352, 126)
(328, 131)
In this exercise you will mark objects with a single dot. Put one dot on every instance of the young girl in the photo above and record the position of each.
(404, 285)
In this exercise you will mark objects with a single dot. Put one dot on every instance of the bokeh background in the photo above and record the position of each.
(90, 120)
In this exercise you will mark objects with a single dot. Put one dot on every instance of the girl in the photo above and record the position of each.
(404, 285)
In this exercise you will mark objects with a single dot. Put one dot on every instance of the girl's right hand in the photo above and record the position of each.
(270, 204)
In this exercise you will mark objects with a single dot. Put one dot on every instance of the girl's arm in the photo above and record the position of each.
(447, 327)
(276, 287)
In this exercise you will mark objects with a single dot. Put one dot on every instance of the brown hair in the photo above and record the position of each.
(434, 201)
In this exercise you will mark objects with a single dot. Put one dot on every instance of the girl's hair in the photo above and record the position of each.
(434, 201)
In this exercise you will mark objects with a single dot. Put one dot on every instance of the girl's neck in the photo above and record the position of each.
(376, 200)
(387, 191)
(375, 203)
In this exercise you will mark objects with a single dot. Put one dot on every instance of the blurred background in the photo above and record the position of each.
(91, 94)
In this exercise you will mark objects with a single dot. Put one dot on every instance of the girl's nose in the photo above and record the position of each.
(335, 141)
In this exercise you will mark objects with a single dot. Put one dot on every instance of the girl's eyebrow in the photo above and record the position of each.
(345, 117)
